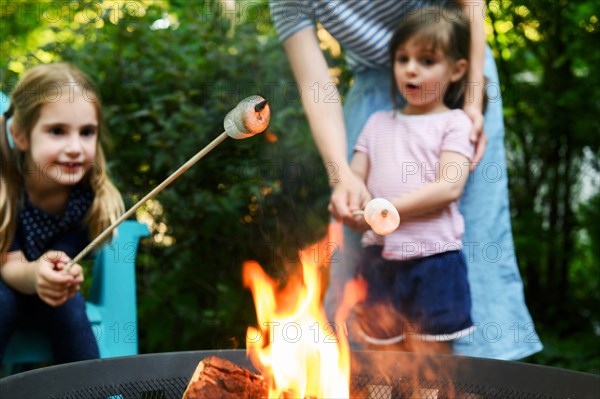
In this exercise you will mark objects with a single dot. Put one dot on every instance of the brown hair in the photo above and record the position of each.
(38, 86)
(440, 27)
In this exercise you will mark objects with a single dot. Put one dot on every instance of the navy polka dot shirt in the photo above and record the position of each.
(38, 231)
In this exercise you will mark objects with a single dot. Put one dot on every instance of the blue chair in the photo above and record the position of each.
(4, 105)
(111, 304)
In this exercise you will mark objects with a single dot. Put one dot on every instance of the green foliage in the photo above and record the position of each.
(550, 99)
(580, 352)
(584, 273)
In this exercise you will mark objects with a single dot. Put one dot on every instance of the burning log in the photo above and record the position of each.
(218, 378)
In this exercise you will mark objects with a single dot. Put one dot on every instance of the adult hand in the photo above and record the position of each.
(477, 135)
(53, 285)
(349, 194)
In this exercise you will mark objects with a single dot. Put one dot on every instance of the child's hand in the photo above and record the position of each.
(77, 272)
(53, 285)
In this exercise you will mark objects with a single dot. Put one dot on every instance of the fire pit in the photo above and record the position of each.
(384, 375)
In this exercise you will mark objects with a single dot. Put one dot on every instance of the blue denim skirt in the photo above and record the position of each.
(503, 326)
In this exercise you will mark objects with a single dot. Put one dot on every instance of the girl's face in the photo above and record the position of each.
(422, 75)
(62, 145)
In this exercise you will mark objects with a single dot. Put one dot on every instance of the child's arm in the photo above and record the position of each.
(42, 277)
(360, 165)
(451, 178)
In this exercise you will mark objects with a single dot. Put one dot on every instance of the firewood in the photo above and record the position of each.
(217, 378)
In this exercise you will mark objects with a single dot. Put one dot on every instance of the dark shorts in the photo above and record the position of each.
(67, 326)
(426, 297)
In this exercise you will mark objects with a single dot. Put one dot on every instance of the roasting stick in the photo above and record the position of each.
(251, 116)
(148, 196)
(381, 215)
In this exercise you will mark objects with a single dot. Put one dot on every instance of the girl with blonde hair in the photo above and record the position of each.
(55, 195)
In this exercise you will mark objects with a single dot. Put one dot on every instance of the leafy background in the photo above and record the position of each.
(170, 70)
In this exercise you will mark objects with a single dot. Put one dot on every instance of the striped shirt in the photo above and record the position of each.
(362, 27)
(404, 154)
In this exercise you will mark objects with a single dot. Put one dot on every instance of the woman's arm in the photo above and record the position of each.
(475, 10)
(451, 178)
(322, 104)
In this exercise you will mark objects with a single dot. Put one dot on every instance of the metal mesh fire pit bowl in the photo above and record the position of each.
(381, 375)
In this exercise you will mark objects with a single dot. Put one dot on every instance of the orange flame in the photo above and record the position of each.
(296, 349)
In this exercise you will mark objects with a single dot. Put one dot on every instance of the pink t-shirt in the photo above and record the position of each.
(404, 153)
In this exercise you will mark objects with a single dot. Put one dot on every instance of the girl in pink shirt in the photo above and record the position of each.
(418, 157)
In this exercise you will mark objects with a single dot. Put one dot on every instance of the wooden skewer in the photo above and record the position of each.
(251, 116)
(359, 212)
(148, 196)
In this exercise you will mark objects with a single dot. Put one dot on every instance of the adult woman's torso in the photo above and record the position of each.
(362, 27)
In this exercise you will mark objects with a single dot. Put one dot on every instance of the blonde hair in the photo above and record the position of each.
(38, 86)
